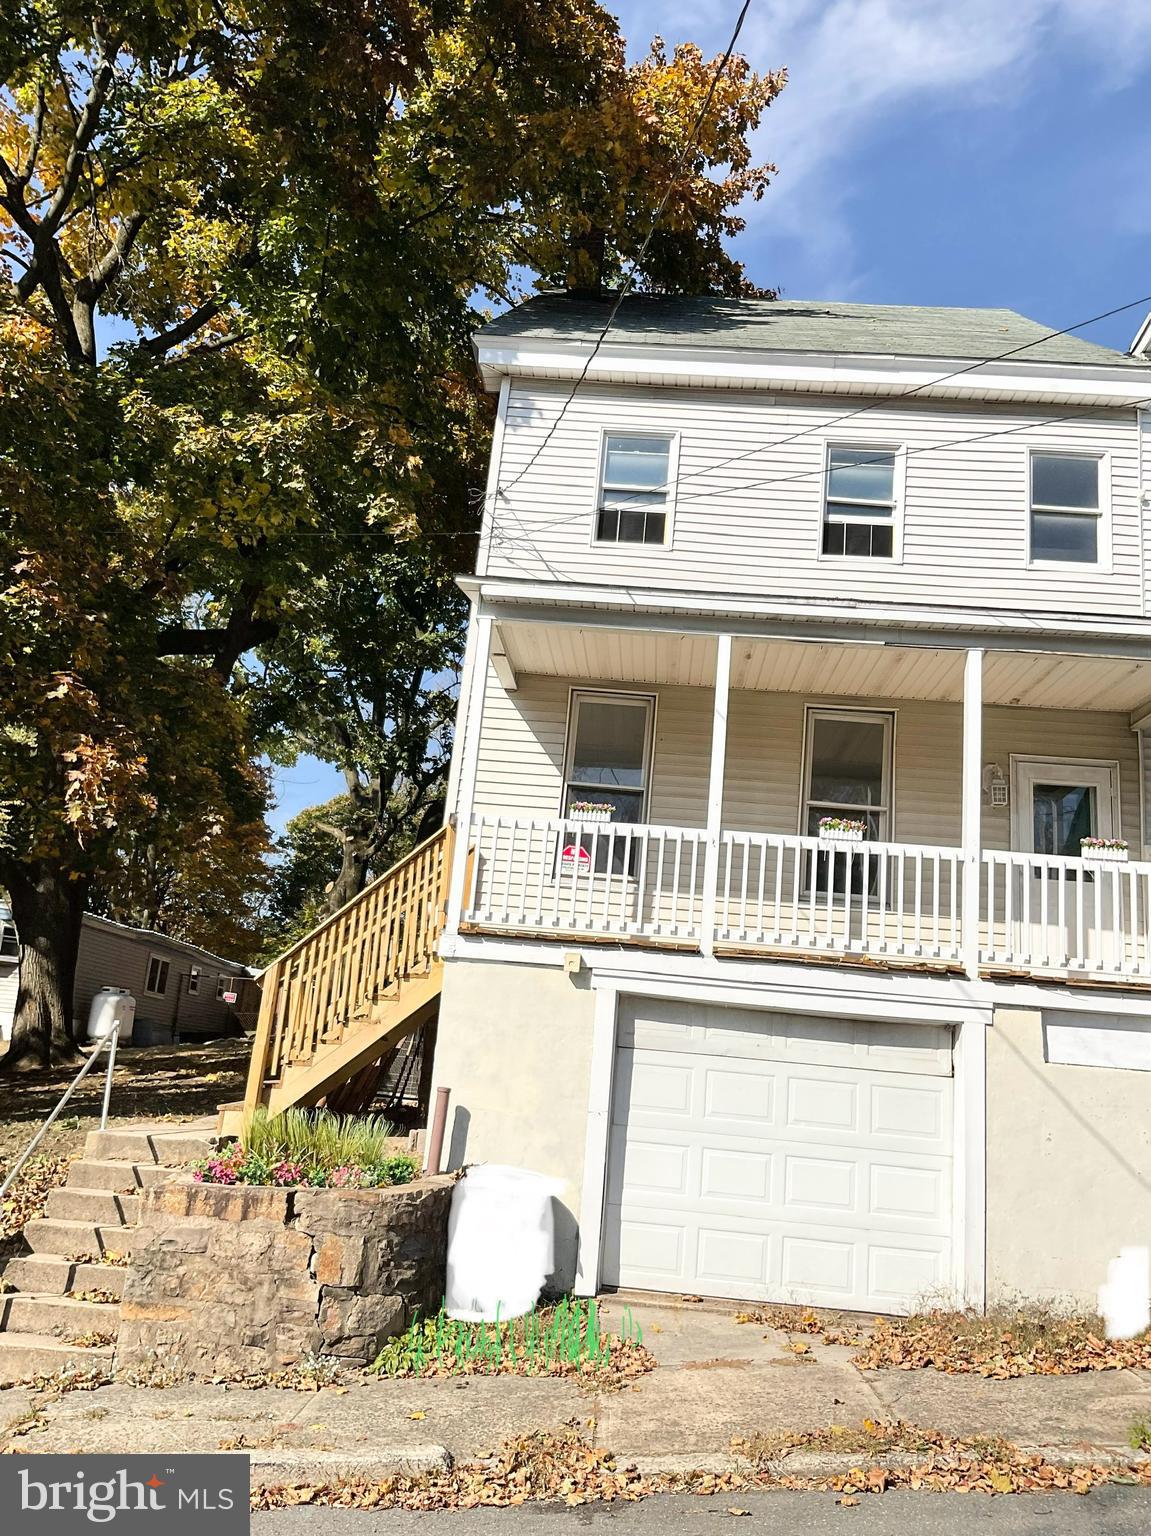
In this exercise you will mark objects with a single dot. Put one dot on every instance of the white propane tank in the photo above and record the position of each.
(501, 1242)
(111, 1005)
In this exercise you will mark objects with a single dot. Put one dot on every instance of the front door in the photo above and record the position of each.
(1064, 914)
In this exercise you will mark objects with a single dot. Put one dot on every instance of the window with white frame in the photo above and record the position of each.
(608, 754)
(859, 508)
(226, 984)
(156, 984)
(848, 768)
(633, 493)
(1066, 507)
(194, 981)
(847, 772)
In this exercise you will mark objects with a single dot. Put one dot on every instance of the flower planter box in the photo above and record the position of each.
(1104, 855)
(600, 816)
(239, 1278)
(841, 835)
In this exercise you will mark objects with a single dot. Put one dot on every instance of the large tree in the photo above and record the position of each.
(243, 241)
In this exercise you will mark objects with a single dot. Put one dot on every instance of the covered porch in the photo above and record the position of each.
(661, 784)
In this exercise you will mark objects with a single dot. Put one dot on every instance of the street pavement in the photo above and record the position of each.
(1107, 1511)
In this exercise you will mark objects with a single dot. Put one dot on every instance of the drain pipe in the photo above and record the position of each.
(439, 1124)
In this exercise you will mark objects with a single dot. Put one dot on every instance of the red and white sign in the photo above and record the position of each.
(575, 857)
(231, 997)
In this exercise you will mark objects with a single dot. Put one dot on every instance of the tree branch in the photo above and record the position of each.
(86, 126)
(156, 346)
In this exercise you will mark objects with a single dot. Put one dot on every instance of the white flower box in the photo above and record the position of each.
(841, 834)
(597, 815)
(1103, 855)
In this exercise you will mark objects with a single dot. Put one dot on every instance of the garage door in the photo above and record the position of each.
(779, 1157)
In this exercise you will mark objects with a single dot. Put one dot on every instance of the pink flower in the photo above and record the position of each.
(287, 1173)
(349, 1176)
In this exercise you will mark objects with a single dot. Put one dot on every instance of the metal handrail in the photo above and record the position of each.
(109, 1040)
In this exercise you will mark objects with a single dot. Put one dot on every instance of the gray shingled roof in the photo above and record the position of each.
(791, 325)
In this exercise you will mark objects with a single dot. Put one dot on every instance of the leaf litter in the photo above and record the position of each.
(1005, 1342)
(561, 1466)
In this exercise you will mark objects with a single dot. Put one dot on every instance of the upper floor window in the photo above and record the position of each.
(859, 511)
(633, 491)
(1065, 508)
(156, 983)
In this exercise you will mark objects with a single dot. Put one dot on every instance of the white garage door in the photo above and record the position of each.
(779, 1157)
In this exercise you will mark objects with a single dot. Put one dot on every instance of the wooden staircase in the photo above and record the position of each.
(352, 988)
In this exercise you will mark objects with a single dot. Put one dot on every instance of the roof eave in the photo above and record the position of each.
(1119, 384)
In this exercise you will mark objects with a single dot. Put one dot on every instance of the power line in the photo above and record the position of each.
(630, 280)
(806, 474)
(927, 384)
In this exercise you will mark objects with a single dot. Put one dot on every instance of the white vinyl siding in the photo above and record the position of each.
(965, 504)
(520, 769)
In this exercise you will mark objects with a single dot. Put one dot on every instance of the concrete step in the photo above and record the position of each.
(159, 1143)
(77, 1240)
(46, 1274)
(24, 1355)
(62, 1316)
(100, 1206)
(88, 1173)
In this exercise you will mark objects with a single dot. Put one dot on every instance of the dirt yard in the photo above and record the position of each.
(164, 1083)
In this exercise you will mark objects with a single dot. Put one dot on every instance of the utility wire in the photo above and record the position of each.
(914, 389)
(629, 283)
(821, 426)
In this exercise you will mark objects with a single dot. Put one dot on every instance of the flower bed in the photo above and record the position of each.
(241, 1166)
(311, 1149)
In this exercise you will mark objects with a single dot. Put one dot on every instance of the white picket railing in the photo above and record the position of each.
(582, 878)
(783, 894)
(1047, 913)
(795, 893)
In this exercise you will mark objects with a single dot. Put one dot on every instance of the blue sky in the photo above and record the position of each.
(933, 152)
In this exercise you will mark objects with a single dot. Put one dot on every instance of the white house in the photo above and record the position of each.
(745, 566)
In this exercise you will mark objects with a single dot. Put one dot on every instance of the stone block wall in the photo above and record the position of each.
(234, 1279)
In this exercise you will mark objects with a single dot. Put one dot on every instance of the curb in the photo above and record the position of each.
(273, 1467)
(838, 1463)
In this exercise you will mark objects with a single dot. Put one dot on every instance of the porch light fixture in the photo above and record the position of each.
(995, 786)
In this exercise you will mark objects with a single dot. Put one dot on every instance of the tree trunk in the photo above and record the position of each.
(48, 911)
(350, 881)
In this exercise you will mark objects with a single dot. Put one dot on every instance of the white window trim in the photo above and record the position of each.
(194, 981)
(899, 498)
(1025, 769)
(648, 700)
(161, 960)
(618, 430)
(1104, 564)
(811, 713)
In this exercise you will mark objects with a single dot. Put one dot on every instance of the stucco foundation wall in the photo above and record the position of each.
(514, 1046)
(1068, 1165)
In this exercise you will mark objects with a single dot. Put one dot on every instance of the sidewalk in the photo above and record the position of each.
(716, 1379)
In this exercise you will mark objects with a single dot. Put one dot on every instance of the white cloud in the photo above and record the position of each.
(855, 64)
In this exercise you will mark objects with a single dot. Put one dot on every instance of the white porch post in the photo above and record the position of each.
(715, 792)
(972, 806)
(473, 722)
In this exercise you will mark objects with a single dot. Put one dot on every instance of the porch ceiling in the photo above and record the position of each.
(1031, 680)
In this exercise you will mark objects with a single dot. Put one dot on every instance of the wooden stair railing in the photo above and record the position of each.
(353, 987)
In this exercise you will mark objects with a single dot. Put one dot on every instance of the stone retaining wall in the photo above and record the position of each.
(235, 1278)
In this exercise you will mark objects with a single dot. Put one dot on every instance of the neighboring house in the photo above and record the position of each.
(730, 583)
(179, 989)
